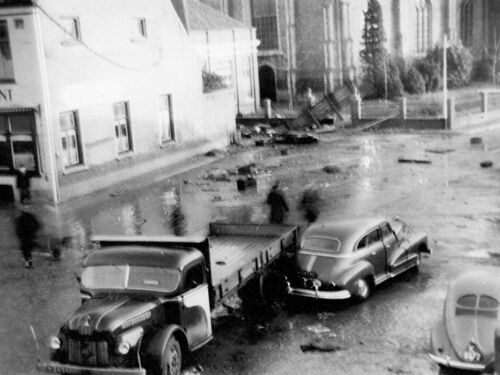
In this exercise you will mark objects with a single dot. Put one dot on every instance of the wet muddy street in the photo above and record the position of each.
(449, 196)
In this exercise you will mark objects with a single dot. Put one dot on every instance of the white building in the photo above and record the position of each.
(87, 84)
(227, 47)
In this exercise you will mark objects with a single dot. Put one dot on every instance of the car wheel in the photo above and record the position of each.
(362, 290)
(172, 358)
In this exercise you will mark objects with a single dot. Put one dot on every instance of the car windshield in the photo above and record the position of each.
(130, 278)
(399, 228)
(329, 245)
(470, 304)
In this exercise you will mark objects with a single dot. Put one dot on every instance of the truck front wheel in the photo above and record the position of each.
(172, 358)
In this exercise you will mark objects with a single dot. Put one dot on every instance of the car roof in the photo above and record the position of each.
(479, 281)
(143, 256)
(347, 231)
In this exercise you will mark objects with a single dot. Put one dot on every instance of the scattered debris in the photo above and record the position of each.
(440, 150)
(193, 370)
(416, 161)
(486, 164)
(284, 151)
(320, 344)
(214, 152)
(218, 175)
(217, 198)
(259, 142)
(247, 169)
(332, 169)
(244, 183)
(295, 138)
(115, 194)
(318, 328)
(476, 140)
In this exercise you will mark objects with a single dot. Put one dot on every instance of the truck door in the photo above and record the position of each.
(396, 254)
(195, 311)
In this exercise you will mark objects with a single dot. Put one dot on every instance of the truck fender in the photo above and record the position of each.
(361, 270)
(153, 345)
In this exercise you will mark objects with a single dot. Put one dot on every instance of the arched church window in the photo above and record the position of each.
(423, 19)
(466, 22)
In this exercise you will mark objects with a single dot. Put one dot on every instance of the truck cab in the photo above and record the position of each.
(142, 306)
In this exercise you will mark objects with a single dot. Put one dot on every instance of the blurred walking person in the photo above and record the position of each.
(23, 184)
(279, 207)
(309, 204)
(27, 227)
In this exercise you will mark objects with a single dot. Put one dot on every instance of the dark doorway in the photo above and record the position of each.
(6, 194)
(267, 82)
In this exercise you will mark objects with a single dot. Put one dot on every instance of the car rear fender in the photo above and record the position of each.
(362, 270)
(153, 345)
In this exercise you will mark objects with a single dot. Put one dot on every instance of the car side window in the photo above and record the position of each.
(369, 239)
(194, 277)
(387, 233)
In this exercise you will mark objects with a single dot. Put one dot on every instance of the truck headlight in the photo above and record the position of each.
(123, 348)
(129, 339)
(54, 343)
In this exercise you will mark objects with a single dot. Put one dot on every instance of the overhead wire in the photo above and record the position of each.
(92, 50)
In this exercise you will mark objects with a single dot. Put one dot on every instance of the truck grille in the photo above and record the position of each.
(83, 351)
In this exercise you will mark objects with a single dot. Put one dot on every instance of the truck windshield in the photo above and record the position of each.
(130, 278)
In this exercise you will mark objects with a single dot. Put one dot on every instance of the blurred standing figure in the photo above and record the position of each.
(310, 203)
(177, 218)
(23, 184)
(277, 201)
(27, 227)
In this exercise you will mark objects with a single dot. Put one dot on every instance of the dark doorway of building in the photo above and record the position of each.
(6, 194)
(267, 82)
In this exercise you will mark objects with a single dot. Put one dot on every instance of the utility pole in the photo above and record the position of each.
(445, 80)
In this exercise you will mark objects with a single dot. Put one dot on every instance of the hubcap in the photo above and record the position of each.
(362, 288)
(173, 364)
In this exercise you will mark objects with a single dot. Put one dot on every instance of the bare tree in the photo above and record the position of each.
(492, 54)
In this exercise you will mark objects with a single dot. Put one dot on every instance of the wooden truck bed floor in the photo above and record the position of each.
(230, 253)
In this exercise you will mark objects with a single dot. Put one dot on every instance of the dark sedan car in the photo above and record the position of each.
(463, 338)
(347, 258)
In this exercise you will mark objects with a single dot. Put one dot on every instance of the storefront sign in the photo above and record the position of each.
(5, 95)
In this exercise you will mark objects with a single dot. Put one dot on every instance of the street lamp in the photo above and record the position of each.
(445, 80)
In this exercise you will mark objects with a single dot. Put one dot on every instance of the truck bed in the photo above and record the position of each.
(239, 251)
(230, 253)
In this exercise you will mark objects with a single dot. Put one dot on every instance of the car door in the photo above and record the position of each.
(195, 310)
(371, 249)
(396, 254)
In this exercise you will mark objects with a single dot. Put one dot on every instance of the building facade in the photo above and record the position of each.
(82, 103)
(316, 43)
(227, 47)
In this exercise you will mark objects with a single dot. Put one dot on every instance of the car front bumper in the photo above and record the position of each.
(448, 362)
(319, 294)
(60, 368)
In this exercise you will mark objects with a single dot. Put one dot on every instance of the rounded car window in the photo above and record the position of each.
(322, 244)
(487, 302)
(467, 301)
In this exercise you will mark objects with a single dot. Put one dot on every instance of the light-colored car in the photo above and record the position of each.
(463, 337)
(347, 258)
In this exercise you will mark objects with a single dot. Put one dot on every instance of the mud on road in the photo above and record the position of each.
(450, 197)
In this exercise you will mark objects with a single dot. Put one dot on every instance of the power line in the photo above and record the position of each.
(90, 49)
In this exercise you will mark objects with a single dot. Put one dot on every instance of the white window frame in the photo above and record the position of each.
(6, 62)
(73, 32)
(70, 136)
(123, 136)
(165, 110)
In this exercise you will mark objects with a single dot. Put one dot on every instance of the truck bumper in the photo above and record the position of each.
(60, 368)
(319, 294)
